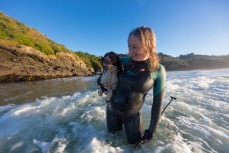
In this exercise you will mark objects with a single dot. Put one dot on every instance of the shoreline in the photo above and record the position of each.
(45, 78)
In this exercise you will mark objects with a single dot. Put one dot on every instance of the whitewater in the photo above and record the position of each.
(67, 116)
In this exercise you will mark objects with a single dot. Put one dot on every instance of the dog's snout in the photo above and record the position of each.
(107, 59)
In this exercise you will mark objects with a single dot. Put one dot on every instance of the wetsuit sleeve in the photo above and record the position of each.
(158, 97)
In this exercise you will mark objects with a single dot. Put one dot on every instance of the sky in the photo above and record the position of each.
(100, 26)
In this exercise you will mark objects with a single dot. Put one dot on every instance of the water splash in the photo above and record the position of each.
(196, 122)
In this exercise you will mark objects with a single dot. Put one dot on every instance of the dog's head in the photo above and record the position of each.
(110, 58)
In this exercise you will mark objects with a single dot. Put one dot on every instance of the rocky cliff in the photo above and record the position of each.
(23, 63)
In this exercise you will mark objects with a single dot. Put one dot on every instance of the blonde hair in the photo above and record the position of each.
(148, 40)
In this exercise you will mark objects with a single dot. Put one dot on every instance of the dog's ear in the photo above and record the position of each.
(119, 65)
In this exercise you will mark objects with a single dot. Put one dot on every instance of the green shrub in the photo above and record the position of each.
(91, 61)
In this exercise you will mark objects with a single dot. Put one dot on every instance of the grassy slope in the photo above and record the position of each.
(13, 33)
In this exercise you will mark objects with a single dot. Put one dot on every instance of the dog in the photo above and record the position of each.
(108, 80)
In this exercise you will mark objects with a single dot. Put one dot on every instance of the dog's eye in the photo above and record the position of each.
(107, 57)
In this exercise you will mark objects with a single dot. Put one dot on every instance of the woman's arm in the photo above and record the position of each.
(156, 111)
(158, 97)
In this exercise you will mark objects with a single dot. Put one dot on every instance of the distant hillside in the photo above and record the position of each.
(192, 62)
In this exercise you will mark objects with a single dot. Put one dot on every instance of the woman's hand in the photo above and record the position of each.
(148, 135)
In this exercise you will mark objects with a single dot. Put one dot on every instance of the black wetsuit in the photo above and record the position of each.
(125, 106)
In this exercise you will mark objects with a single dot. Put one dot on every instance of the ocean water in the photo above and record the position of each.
(68, 116)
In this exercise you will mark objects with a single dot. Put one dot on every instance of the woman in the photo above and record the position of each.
(141, 73)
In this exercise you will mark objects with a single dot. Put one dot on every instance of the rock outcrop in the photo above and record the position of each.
(24, 63)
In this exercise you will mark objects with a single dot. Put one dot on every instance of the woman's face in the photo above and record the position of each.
(136, 49)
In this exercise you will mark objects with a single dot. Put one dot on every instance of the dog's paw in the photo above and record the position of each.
(108, 97)
(100, 92)
(106, 93)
